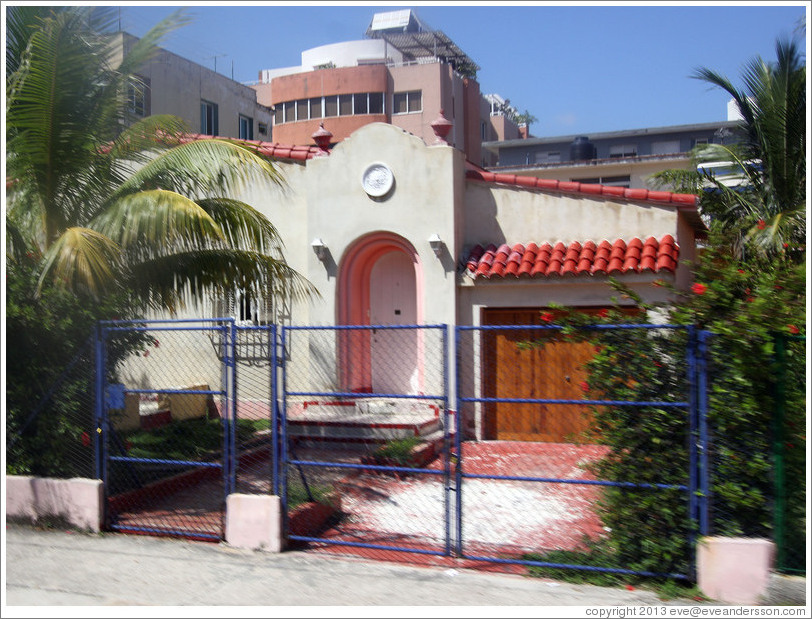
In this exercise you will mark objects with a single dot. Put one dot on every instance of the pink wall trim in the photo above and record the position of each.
(353, 301)
(254, 522)
(77, 501)
(734, 570)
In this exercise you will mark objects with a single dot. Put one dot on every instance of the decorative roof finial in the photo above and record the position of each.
(322, 140)
(441, 126)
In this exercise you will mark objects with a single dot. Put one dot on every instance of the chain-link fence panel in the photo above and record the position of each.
(52, 436)
(257, 359)
(582, 452)
(367, 432)
(168, 438)
(758, 446)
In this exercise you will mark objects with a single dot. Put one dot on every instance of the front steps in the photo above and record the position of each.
(372, 420)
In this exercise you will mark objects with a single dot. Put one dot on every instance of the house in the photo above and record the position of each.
(394, 231)
(402, 73)
(210, 103)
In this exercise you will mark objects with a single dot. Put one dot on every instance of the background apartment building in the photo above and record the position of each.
(403, 73)
(210, 103)
(625, 158)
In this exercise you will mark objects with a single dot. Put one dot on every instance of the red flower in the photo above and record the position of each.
(584, 386)
(156, 343)
(603, 313)
(630, 588)
(547, 317)
(761, 224)
(146, 353)
(85, 439)
(741, 270)
(699, 288)
(793, 329)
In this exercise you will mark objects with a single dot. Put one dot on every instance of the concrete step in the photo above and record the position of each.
(364, 420)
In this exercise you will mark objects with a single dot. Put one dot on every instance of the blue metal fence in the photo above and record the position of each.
(145, 461)
(691, 404)
(349, 393)
(361, 418)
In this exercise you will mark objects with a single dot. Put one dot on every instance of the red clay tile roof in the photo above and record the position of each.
(269, 149)
(589, 258)
(531, 182)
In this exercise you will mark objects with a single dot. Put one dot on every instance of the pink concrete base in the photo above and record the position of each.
(734, 570)
(254, 521)
(79, 502)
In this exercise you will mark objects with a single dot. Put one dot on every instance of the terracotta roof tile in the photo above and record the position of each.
(576, 259)
(268, 149)
(531, 182)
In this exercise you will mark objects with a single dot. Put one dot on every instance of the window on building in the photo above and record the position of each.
(345, 105)
(315, 107)
(262, 128)
(665, 148)
(290, 111)
(138, 96)
(208, 118)
(407, 102)
(335, 105)
(246, 128)
(611, 181)
(301, 109)
(415, 101)
(376, 103)
(699, 142)
(331, 106)
(360, 104)
(553, 156)
(622, 150)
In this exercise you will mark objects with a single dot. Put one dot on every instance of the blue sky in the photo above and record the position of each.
(579, 68)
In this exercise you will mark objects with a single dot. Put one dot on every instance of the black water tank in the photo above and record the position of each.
(582, 149)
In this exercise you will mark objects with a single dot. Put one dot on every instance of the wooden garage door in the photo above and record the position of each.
(514, 369)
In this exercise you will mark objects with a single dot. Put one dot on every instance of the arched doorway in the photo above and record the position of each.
(380, 284)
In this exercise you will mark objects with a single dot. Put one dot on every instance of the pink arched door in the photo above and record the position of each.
(392, 301)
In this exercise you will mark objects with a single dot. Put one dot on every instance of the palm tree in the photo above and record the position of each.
(112, 206)
(768, 211)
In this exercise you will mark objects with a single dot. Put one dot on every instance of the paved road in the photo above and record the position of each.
(57, 568)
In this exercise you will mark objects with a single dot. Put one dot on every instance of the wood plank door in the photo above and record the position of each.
(532, 364)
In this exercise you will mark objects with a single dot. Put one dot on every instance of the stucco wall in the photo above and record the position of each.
(502, 214)
(79, 502)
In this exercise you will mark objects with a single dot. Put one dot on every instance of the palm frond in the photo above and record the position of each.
(203, 167)
(82, 259)
(243, 226)
(211, 273)
(157, 222)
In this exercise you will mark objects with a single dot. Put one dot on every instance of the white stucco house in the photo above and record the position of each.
(394, 231)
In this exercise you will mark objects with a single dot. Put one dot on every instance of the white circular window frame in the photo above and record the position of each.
(377, 179)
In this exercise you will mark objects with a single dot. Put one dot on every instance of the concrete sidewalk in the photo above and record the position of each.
(57, 568)
(62, 568)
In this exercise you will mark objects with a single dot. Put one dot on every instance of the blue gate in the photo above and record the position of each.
(165, 425)
(598, 498)
(366, 418)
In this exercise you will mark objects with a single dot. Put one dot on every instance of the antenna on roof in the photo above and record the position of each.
(216, 56)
